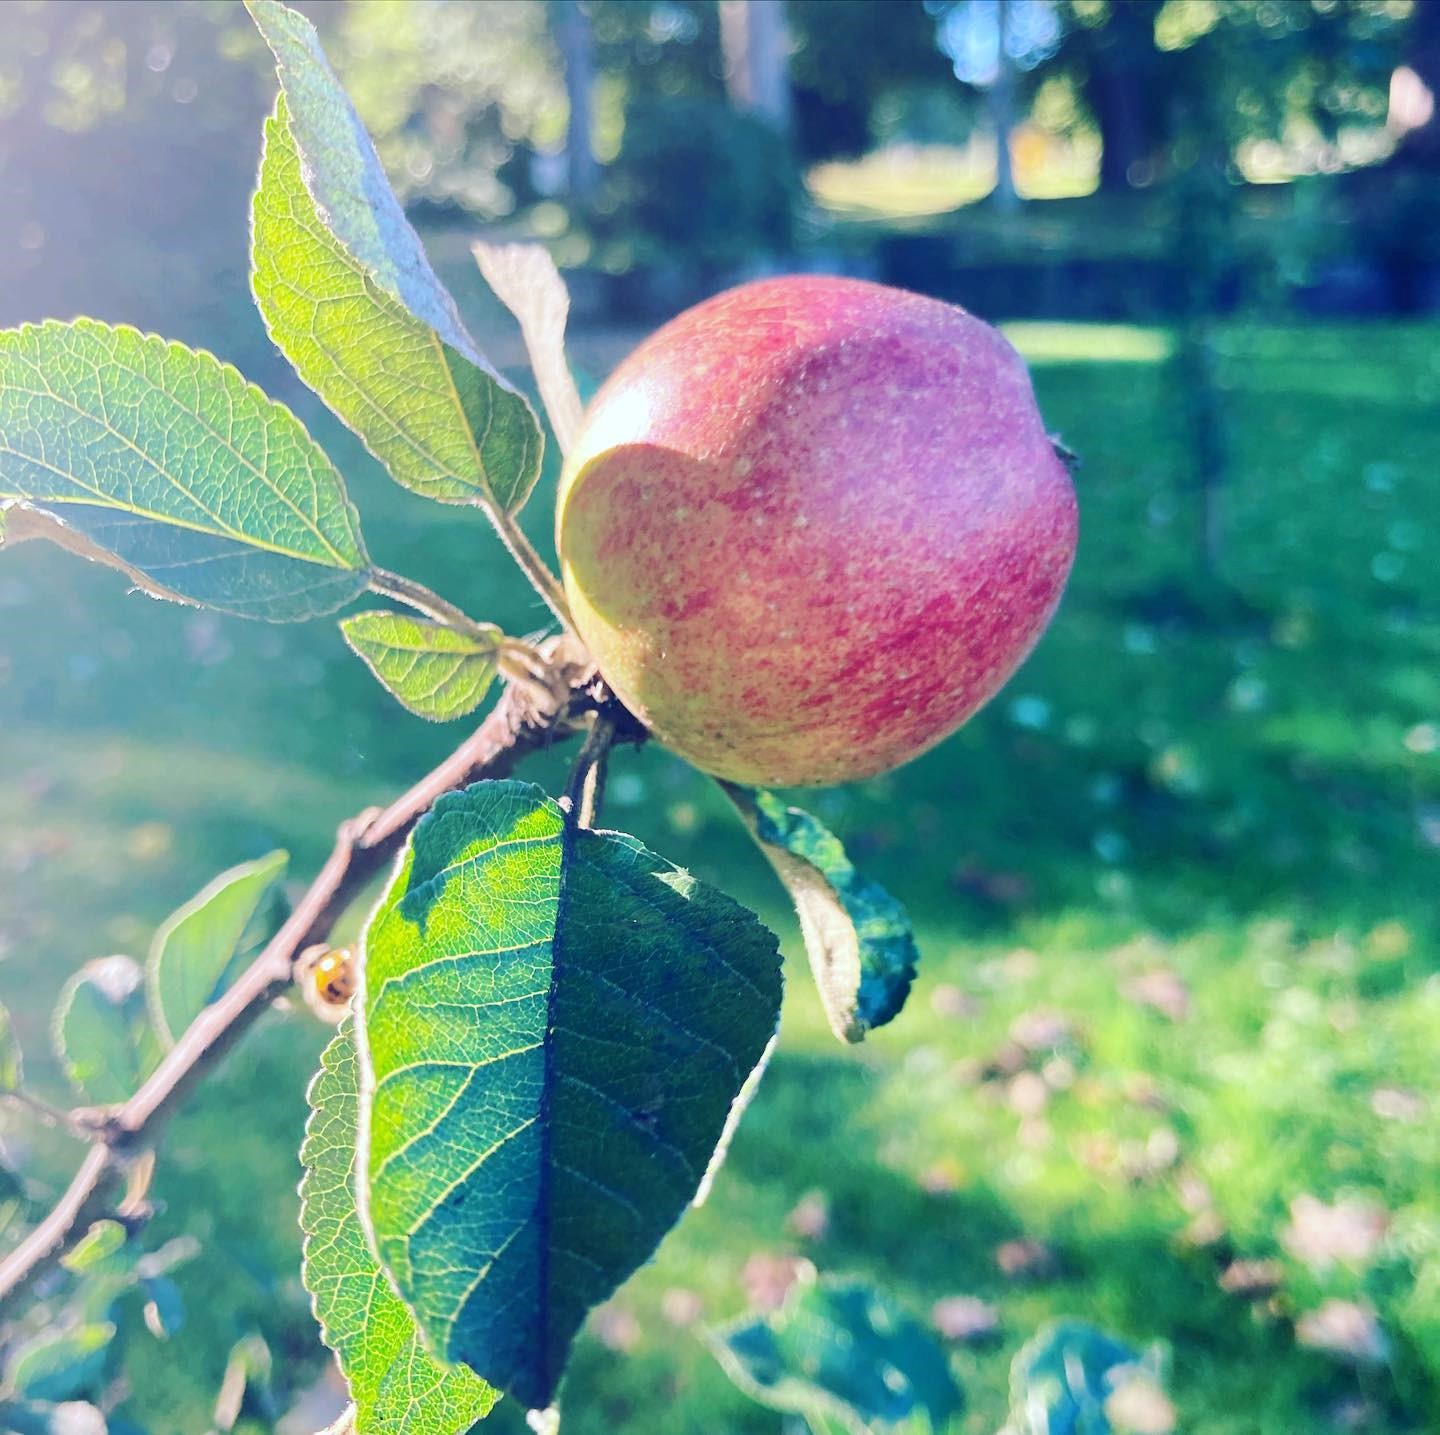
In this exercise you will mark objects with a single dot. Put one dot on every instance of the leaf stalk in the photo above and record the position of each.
(430, 605)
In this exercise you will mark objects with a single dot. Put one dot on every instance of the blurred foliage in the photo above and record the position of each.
(464, 101)
(697, 180)
(470, 109)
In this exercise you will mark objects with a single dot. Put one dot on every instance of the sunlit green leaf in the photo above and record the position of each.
(556, 1023)
(194, 947)
(167, 461)
(858, 937)
(12, 1068)
(432, 670)
(102, 1030)
(57, 1364)
(394, 1383)
(350, 298)
(841, 1350)
(96, 1248)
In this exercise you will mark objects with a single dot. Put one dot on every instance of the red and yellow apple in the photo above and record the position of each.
(811, 525)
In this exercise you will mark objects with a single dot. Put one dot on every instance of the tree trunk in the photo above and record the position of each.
(576, 41)
(1118, 106)
(1121, 67)
(757, 60)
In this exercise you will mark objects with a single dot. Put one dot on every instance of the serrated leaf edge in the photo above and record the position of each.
(228, 372)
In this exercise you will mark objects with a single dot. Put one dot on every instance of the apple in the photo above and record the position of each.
(811, 525)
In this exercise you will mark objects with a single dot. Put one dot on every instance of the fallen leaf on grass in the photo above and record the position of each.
(1027, 1260)
(1347, 1329)
(1252, 1279)
(965, 1318)
(1348, 1232)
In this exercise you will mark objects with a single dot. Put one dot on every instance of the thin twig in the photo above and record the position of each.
(363, 846)
(535, 568)
(585, 790)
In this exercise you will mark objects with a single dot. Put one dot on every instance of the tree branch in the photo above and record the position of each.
(363, 846)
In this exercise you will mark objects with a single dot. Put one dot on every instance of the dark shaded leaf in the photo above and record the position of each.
(556, 1024)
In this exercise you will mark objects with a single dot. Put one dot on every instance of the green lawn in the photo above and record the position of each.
(1220, 789)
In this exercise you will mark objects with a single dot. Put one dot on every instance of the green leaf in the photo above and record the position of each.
(858, 937)
(246, 1382)
(57, 1364)
(1062, 1377)
(349, 297)
(166, 460)
(837, 1349)
(432, 670)
(394, 1383)
(96, 1248)
(12, 1067)
(193, 950)
(526, 281)
(102, 1034)
(556, 1023)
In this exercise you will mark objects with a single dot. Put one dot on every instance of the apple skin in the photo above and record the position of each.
(811, 525)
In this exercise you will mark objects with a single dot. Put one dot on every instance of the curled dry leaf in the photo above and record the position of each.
(526, 281)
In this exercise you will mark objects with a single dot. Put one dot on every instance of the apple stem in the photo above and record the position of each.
(1065, 454)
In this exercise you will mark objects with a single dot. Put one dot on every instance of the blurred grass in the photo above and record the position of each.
(1232, 777)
